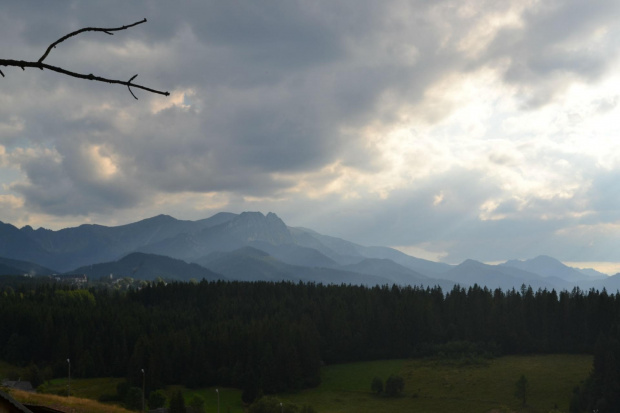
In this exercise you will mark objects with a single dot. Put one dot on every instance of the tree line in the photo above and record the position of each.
(266, 337)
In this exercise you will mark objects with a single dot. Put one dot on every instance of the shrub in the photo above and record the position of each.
(133, 398)
(197, 404)
(377, 385)
(157, 399)
(394, 386)
(177, 403)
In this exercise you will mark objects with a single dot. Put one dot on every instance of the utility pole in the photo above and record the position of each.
(69, 379)
(143, 390)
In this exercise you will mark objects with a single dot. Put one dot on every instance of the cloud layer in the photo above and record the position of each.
(456, 129)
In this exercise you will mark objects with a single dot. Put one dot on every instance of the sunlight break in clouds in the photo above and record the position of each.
(180, 99)
(101, 160)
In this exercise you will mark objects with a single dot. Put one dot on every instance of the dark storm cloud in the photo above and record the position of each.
(276, 83)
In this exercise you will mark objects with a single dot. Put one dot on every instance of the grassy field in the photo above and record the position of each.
(430, 386)
(230, 399)
(66, 404)
(439, 387)
(83, 388)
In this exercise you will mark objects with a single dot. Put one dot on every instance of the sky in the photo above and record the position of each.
(450, 130)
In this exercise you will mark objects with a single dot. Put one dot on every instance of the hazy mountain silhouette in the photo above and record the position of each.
(253, 246)
(18, 267)
(142, 266)
(546, 266)
(472, 272)
(251, 264)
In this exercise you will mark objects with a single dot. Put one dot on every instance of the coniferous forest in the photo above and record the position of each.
(272, 337)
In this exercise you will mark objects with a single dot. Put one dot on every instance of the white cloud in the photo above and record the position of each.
(180, 99)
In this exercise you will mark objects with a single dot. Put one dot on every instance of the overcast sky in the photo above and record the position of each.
(448, 129)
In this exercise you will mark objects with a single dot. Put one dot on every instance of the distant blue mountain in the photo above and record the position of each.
(546, 266)
(254, 246)
(472, 272)
(142, 266)
(18, 267)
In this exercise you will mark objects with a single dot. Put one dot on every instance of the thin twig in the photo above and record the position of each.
(128, 83)
(87, 29)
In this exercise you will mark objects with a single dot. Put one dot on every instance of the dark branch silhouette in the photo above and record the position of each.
(40, 65)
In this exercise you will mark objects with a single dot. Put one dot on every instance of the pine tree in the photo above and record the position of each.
(521, 389)
(377, 385)
(177, 403)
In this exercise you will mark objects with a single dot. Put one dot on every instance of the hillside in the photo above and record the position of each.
(251, 264)
(294, 253)
(18, 267)
(148, 267)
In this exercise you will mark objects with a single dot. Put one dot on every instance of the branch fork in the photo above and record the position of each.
(41, 65)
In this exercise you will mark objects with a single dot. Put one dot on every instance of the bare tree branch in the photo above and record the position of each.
(40, 65)
(87, 29)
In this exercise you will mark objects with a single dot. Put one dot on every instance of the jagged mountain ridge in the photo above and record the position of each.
(228, 235)
(291, 253)
(87, 244)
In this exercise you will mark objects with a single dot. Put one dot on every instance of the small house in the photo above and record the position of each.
(18, 384)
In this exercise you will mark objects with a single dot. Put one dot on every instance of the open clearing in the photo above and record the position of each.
(430, 386)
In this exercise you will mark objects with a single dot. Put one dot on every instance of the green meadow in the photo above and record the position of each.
(83, 388)
(430, 386)
(433, 386)
(230, 399)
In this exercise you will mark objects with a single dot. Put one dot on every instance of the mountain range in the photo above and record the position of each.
(251, 246)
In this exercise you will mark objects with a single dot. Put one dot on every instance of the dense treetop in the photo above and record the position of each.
(275, 336)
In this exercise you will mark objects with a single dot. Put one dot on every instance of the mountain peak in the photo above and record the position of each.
(254, 226)
(254, 214)
(540, 262)
(471, 263)
(161, 218)
(547, 260)
(547, 266)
